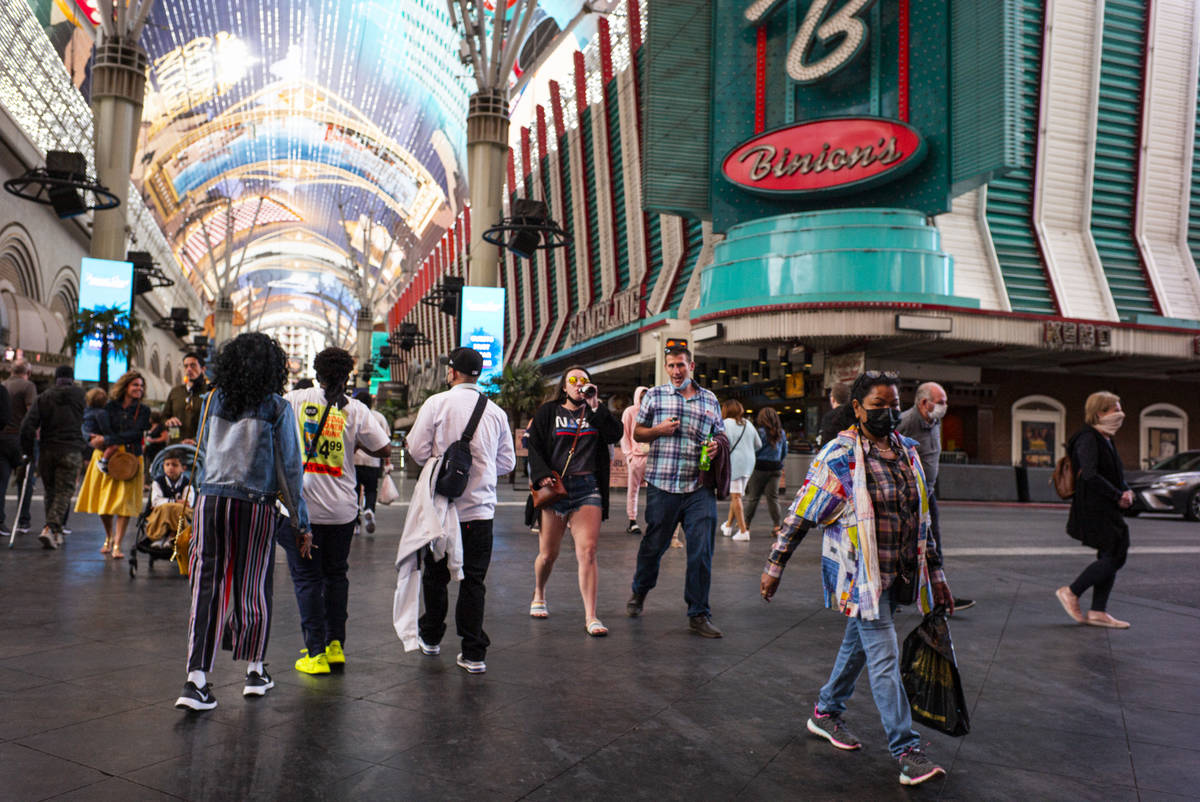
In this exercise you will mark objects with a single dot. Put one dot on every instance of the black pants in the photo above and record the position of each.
(10, 469)
(368, 483)
(468, 613)
(322, 587)
(1101, 574)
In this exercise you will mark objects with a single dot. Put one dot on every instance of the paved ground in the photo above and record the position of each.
(92, 661)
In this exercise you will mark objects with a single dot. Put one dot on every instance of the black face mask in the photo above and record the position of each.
(882, 422)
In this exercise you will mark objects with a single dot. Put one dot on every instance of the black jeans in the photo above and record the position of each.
(1101, 574)
(468, 613)
(322, 587)
(10, 469)
(368, 482)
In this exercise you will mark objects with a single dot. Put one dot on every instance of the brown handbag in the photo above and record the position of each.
(123, 466)
(556, 491)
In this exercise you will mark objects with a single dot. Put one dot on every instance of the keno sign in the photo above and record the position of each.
(841, 153)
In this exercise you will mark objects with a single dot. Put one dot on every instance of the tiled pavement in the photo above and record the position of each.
(92, 660)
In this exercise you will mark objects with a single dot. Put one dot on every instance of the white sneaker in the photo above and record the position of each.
(726, 530)
(432, 651)
(741, 537)
(471, 666)
(369, 518)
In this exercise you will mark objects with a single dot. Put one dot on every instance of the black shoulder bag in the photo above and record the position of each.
(456, 462)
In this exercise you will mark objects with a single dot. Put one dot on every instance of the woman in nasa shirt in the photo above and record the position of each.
(570, 436)
(332, 427)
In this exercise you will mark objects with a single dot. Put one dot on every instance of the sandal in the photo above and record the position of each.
(117, 554)
(537, 609)
(596, 629)
(106, 548)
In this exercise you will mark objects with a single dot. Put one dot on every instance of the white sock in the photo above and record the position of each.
(198, 678)
(254, 666)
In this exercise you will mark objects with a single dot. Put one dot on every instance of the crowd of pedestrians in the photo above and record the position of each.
(301, 469)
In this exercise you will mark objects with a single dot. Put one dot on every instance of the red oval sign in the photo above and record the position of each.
(842, 153)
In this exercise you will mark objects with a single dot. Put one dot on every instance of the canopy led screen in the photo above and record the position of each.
(103, 284)
(482, 327)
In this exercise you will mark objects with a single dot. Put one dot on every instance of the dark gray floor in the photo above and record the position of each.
(92, 661)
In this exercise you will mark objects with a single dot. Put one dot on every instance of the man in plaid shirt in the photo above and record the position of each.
(677, 418)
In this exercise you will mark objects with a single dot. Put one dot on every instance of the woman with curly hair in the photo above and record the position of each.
(114, 500)
(251, 457)
(334, 426)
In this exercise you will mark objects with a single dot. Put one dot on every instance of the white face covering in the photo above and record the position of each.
(938, 412)
(1108, 424)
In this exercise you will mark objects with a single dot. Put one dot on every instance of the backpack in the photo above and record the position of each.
(456, 462)
(1063, 478)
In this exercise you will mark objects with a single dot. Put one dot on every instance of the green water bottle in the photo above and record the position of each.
(705, 459)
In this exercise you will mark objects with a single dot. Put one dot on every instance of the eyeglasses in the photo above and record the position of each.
(573, 380)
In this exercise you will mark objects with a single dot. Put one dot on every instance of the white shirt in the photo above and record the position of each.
(329, 479)
(441, 421)
(361, 458)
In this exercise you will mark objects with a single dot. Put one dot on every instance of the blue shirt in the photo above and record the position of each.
(673, 464)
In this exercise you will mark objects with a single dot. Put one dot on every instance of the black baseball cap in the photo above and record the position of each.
(466, 361)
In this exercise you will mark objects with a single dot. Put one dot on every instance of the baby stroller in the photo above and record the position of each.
(164, 547)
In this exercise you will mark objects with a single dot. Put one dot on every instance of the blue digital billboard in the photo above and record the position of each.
(103, 284)
(482, 327)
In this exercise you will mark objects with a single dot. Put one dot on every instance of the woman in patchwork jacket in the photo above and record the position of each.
(867, 489)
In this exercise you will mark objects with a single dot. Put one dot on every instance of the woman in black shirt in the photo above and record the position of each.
(570, 436)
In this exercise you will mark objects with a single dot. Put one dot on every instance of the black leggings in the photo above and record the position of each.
(1100, 575)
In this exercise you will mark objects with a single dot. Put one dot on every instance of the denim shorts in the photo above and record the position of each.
(582, 490)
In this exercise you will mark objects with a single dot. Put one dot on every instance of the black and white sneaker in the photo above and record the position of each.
(258, 684)
(633, 528)
(916, 767)
(47, 538)
(963, 604)
(369, 520)
(194, 698)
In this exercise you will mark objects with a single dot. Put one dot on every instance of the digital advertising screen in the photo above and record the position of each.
(383, 371)
(102, 284)
(482, 327)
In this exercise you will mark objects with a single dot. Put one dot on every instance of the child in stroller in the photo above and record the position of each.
(171, 498)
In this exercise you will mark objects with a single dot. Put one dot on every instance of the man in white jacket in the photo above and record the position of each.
(442, 420)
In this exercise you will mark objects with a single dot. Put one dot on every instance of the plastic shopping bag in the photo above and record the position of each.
(387, 490)
(930, 675)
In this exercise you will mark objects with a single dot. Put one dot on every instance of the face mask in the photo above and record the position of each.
(686, 384)
(938, 412)
(1108, 424)
(882, 422)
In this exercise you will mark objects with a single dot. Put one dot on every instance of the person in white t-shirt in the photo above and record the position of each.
(332, 426)
(368, 469)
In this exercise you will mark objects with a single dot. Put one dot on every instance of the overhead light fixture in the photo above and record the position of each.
(179, 323)
(528, 230)
(146, 274)
(64, 185)
(447, 296)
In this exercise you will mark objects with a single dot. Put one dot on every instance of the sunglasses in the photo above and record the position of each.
(675, 349)
(881, 374)
(574, 380)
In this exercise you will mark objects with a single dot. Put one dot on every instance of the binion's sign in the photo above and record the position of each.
(821, 104)
(844, 153)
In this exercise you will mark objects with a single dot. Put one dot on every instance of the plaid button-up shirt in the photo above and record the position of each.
(897, 504)
(674, 461)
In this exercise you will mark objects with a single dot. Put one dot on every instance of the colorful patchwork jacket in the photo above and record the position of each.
(834, 495)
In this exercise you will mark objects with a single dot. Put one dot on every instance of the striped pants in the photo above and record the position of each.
(232, 570)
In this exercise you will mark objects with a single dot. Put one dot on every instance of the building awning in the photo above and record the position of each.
(32, 328)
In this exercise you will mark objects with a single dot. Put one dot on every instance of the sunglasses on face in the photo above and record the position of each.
(577, 380)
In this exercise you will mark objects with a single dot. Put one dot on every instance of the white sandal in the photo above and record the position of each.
(596, 629)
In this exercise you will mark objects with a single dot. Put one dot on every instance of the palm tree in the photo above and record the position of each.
(117, 331)
(519, 390)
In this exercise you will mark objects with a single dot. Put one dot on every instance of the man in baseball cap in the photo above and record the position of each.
(466, 361)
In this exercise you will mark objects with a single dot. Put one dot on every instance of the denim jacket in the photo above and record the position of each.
(255, 457)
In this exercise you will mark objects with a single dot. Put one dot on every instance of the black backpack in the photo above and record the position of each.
(456, 462)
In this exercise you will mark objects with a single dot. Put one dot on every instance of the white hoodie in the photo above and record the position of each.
(432, 521)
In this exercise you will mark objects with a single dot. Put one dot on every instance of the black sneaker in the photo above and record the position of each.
(963, 604)
(702, 625)
(633, 607)
(633, 528)
(916, 767)
(257, 684)
(194, 698)
(831, 727)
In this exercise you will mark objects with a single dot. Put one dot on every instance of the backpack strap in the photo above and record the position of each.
(472, 424)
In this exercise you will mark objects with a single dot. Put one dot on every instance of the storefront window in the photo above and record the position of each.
(1163, 433)
(1039, 431)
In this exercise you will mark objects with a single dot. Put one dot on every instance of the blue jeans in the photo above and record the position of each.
(873, 644)
(697, 512)
(582, 491)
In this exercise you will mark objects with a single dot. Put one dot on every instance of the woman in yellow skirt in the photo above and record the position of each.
(116, 502)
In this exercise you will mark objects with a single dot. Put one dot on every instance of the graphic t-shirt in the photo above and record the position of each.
(566, 424)
(329, 478)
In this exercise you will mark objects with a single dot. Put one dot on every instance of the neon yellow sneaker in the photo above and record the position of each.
(334, 653)
(313, 665)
